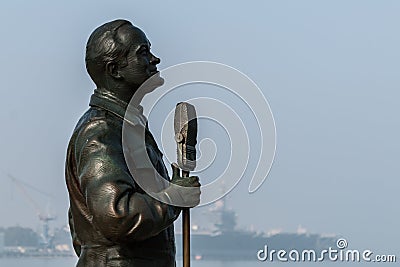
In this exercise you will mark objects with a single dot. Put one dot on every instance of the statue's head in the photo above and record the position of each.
(118, 56)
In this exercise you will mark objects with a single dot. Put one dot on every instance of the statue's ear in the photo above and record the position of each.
(113, 70)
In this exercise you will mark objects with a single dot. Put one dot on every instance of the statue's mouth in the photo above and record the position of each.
(154, 71)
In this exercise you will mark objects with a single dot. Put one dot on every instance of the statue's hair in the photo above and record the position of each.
(104, 46)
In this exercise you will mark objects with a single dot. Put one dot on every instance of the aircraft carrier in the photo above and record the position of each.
(226, 242)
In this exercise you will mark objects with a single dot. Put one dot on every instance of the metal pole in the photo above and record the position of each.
(186, 231)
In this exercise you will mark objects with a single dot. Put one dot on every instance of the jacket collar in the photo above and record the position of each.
(107, 101)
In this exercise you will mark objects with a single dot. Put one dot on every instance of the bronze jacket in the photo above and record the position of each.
(113, 221)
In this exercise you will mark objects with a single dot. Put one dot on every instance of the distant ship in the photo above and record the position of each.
(221, 241)
(225, 242)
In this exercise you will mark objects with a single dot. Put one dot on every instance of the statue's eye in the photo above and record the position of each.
(144, 51)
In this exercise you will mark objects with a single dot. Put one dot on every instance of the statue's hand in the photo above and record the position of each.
(192, 181)
(191, 197)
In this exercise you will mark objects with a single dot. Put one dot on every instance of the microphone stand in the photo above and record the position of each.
(186, 231)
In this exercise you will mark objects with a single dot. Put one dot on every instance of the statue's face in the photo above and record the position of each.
(141, 62)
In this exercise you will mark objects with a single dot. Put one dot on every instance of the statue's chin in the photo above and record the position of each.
(152, 83)
(155, 80)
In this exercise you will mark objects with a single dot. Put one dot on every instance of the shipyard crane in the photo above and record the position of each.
(44, 218)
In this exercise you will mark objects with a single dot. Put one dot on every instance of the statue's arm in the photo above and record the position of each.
(120, 212)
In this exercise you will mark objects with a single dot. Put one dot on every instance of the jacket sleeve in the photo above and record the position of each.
(75, 241)
(119, 211)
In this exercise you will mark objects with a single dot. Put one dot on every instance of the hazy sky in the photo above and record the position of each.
(329, 69)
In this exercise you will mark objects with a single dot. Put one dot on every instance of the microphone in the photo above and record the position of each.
(185, 126)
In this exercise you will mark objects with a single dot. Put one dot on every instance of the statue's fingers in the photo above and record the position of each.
(176, 172)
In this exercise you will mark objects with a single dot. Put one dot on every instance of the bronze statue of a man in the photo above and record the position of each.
(113, 221)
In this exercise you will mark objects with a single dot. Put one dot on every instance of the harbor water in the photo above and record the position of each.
(70, 262)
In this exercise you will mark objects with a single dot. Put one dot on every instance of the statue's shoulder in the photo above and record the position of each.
(97, 123)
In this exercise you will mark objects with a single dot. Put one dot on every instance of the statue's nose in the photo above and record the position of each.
(154, 60)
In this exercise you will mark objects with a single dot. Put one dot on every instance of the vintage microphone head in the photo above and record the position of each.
(185, 125)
